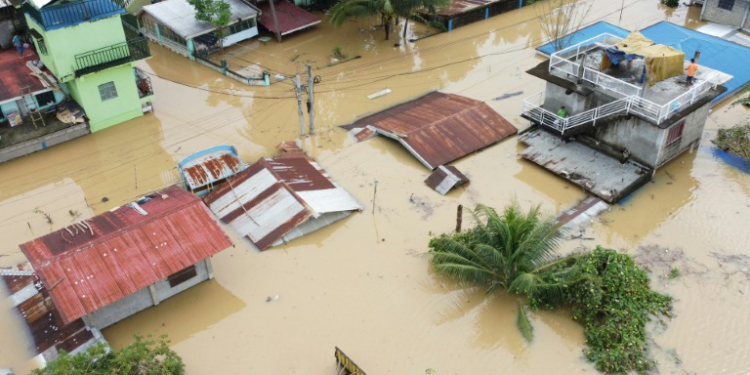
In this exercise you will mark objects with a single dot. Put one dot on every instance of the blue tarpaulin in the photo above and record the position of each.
(616, 55)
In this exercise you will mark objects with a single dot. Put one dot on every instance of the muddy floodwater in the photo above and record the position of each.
(361, 284)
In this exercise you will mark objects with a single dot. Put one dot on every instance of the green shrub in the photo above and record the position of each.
(671, 3)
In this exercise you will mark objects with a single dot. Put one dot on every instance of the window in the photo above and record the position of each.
(39, 41)
(675, 132)
(181, 276)
(45, 98)
(726, 4)
(107, 91)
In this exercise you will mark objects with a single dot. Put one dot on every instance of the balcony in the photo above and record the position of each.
(118, 54)
(70, 14)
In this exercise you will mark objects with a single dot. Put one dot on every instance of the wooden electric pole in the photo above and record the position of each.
(276, 21)
(310, 111)
(298, 90)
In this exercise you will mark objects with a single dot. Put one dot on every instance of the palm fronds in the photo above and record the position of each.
(524, 326)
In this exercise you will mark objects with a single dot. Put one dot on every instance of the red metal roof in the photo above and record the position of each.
(445, 178)
(44, 322)
(439, 128)
(273, 196)
(127, 251)
(15, 75)
(291, 17)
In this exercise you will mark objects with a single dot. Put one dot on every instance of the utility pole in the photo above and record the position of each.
(310, 111)
(276, 21)
(298, 90)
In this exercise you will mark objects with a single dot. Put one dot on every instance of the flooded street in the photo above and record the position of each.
(362, 283)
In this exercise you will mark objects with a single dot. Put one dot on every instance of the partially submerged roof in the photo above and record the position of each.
(47, 329)
(462, 6)
(716, 53)
(438, 128)
(278, 199)
(179, 16)
(291, 17)
(210, 166)
(94, 263)
(446, 178)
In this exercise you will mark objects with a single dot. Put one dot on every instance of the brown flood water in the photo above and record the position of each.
(361, 284)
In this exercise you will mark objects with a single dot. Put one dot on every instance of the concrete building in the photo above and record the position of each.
(91, 46)
(625, 118)
(109, 267)
(734, 13)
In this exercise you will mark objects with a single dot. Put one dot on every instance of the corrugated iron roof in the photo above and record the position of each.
(439, 128)
(291, 17)
(461, 6)
(273, 196)
(445, 178)
(210, 166)
(44, 322)
(90, 265)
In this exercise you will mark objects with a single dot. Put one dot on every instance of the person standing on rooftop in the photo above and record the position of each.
(691, 69)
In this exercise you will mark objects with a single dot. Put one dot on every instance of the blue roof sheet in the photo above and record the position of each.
(716, 53)
(588, 32)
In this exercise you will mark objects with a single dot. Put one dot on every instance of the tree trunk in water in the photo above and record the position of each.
(406, 26)
(387, 29)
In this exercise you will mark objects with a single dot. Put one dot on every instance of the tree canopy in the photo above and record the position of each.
(388, 10)
(143, 357)
(215, 11)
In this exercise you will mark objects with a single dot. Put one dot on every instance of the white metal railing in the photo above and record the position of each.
(533, 108)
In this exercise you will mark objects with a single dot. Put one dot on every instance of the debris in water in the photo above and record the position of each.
(508, 95)
(105, 199)
(379, 94)
(271, 299)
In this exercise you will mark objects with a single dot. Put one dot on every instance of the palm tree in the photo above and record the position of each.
(513, 251)
(346, 9)
(410, 8)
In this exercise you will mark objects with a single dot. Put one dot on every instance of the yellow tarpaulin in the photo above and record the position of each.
(662, 61)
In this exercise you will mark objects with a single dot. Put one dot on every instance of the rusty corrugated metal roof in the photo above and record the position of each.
(439, 128)
(45, 325)
(461, 6)
(445, 178)
(210, 166)
(272, 197)
(122, 251)
(290, 17)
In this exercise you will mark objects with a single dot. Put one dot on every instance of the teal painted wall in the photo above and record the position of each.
(64, 44)
(103, 114)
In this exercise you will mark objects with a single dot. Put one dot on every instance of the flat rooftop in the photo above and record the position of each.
(595, 172)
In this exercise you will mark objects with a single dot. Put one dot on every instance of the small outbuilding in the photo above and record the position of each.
(172, 23)
(278, 199)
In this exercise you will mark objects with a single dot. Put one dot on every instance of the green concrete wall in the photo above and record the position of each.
(103, 114)
(64, 44)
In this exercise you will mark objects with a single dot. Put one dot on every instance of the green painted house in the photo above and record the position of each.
(90, 46)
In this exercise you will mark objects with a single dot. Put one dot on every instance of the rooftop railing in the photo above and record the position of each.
(57, 16)
(118, 54)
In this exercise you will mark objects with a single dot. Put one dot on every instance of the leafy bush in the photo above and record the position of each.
(147, 357)
(735, 140)
(613, 301)
(671, 3)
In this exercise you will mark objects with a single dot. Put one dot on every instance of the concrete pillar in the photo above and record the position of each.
(158, 34)
(209, 268)
(744, 18)
(703, 9)
(191, 49)
(154, 297)
(88, 320)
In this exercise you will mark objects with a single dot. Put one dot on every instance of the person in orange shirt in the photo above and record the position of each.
(691, 69)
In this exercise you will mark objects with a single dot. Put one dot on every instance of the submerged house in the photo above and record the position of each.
(91, 46)
(101, 270)
(172, 24)
(735, 13)
(279, 199)
(629, 112)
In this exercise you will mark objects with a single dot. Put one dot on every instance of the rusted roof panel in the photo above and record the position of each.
(446, 178)
(44, 322)
(274, 196)
(122, 251)
(290, 17)
(439, 128)
(210, 166)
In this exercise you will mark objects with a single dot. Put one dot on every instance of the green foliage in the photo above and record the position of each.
(674, 273)
(735, 140)
(387, 10)
(743, 94)
(215, 11)
(671, 3)
(506, 251)
(143, 357)
(524, 326)
(613, 301)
